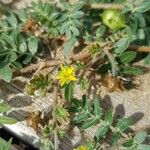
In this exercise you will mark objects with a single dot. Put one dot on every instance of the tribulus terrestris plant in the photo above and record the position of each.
(69, 45)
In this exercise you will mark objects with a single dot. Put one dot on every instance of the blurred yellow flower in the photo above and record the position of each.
(65, 75)
(81, 148)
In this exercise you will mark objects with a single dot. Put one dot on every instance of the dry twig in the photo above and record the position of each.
(139, 48)
(34, 67)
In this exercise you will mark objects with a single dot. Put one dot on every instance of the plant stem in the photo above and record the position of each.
(111, 58)
(10, 28)
(41, 66)
(107, 6)
(34, 67)
(139, 48)
(124, 135)
(56, 141)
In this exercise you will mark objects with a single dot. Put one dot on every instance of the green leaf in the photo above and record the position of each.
(128, 143)
(74, 30)
(121, 45)
(115, 137)
(84, 100)
(100, 31)
(4, 23)
(22, 43)
(142, 20)
(124, 124)
(144, 147)
(12, 20)
(81, 117)
(4, 52)
(140, 137)
(86, 105)
(77, 15)
(22, 15)
(90, 123)
(147, 32)
(63, 28)
(69, 91)
(131, 70)
(143, 6)
(76, 23)
(12, 56)
(6, 73)
(109, 116)
(33, 45)
(127, 57)
(76, 102)
(78, 5)
(4, 107)
(68, 45)
(5, 145)
(100, 132)
(97, 108)
(8, 144)
(27, 58)
(17, 65)
(7, 120)
(141, 34)
(68, 33)
(147, 60)
(9, 42)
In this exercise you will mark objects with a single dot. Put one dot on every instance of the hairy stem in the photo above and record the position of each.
(111, 58)
(34, 67)
(107, 6)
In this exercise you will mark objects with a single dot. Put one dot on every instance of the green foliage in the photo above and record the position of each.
(70, 19)
(76, 27)
(68, 45)
(60, 114)
(121, 45)
(127, 57)
(3, 119)
(32, 45)
(74, 23)
(45, 144)
(38, 85)
(7, 120)
(136, 142)
(16, 48)
(47, 15)
(131, 70)
(6, 73)
(12, 22)
(59, 21)
(5, 145)
(68, 94)
(4, 107)
(147, 60)
(89, 114)
(139, 6)
(55, 128)
(71, 24)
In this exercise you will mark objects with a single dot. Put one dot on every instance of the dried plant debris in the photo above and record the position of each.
(38, 85)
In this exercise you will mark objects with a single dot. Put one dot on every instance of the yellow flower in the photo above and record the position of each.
(65, 75)
(81, 148)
